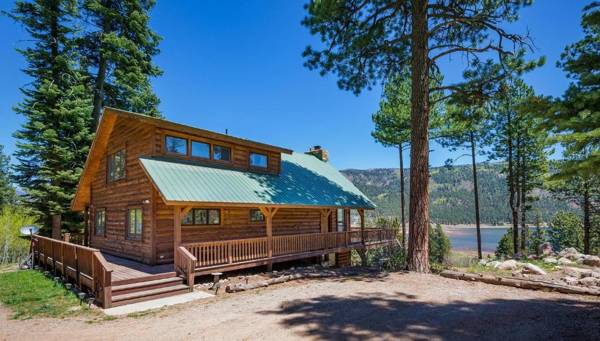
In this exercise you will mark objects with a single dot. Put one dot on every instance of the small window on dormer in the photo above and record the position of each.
(176, 145)
(221, 153)
(258, 160)
(200, 149)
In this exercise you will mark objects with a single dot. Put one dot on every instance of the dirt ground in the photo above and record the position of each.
(391, 306)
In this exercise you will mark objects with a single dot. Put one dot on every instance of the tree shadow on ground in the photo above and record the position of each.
(402, 316)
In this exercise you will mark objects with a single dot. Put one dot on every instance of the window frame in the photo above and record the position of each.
(210, 150)
(207, 209)
(96, 213)
(109, 157)
(255, 221)
(266, 167)
(212, 154)
(343, 222)
(128, 234)
(187, 145)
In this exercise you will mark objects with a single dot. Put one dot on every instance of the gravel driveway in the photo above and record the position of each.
(394, 306)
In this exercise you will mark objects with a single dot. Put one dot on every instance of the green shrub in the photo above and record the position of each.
(505, 245)
(566, 230)
(439, 245)
(13, 248)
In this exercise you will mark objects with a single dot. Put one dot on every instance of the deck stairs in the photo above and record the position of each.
(147, 288)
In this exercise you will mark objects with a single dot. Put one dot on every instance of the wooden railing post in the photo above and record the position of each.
(230, 252)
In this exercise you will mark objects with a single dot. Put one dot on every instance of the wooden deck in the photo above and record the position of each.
(126, 269)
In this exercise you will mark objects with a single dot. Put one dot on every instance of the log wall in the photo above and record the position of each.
(117, 197)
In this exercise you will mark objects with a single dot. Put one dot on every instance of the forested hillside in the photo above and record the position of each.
(451, 194)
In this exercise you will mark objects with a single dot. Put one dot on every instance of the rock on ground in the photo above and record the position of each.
(534, 269)
(550, 260)
(510, 264)
(545, 249)
(591, 260)
(565, 261)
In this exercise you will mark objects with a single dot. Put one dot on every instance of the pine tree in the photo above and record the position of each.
(519, 141)
(465, 126)
(365, 41)
(54, 140)
(392, 128)
(118, 47)
(7, 191)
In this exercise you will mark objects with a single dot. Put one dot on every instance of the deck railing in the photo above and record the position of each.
(84, 266)
(227, 252)
(185, 263)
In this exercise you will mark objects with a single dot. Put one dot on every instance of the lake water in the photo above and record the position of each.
(465, 239)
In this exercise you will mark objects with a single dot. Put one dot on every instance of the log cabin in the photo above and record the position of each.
(158, 193)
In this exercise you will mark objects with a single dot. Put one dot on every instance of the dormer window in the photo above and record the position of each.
(201, 150)
(176, 145)
(221, 153)
(258, 160)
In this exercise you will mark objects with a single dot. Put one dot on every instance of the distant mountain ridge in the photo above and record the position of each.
(451, 194)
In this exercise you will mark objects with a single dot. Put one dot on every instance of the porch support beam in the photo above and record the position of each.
(361, 212)
(325, 214)
(269, 213)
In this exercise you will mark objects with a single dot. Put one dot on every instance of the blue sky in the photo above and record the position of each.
(237, 65)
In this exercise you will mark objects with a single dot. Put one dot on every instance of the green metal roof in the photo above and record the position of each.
(303, 180)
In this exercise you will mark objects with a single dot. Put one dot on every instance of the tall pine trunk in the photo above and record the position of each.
(418, 243)
(476, 193)
(100, 80)
(512, 185)
(524, 227)
(402, 218)
(586, 219)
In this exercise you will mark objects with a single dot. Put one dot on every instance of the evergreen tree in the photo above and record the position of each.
(7, 191)
(576, 116)
(392, 128)
(566, 231)
(365, 41)
(118, 47)
(54, 139)
(519, 141)
(466, 125)
(581, 188)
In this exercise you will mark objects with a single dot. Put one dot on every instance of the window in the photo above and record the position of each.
(258, 160)
(100, 222)
(116, 166)
(256, 216)
(200, 149)
(202, 216)
(341, 220)
(176, 145)
(221, 153)
(134, 223)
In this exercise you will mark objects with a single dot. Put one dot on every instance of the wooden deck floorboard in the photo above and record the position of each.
(124, 269)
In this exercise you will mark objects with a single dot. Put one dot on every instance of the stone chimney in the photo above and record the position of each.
(319, 153)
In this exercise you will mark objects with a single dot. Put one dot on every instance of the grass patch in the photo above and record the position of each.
(30, 294)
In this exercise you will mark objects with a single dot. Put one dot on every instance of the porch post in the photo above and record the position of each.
(361, 212)
(269, 212)
(177, 225)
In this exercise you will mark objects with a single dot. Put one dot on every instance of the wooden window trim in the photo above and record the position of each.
(255, 222)
(108, 156)
(194, 225)
(187, 146)
(96, 211)
(128, 236)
